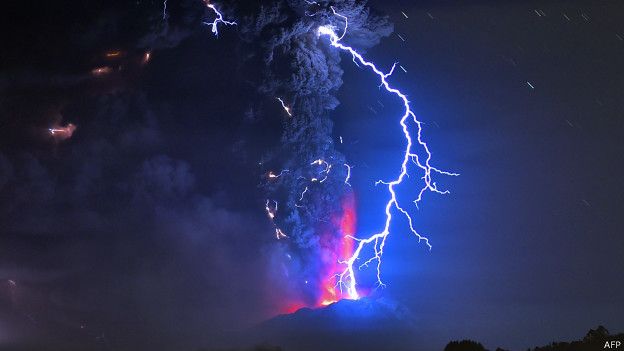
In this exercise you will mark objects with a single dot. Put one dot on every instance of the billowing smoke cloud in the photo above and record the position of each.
(114, 236)
(124, 227)
(304, 72)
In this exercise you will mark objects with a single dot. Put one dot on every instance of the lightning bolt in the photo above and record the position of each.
(346, 181)
(219, 19)
(347, 277)
(326, 170)
(271, 211)
(62, 133)
(272, 175)
(303, 193)
(285, 107)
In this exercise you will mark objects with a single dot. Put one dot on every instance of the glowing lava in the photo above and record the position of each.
(334, 250)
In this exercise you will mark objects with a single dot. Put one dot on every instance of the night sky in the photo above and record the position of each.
(145, 228)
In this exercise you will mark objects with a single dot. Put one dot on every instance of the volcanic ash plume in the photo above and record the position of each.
(306, 179)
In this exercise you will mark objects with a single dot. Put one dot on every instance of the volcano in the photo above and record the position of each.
(364, 324)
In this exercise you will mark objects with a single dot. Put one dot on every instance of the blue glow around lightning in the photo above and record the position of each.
(347, 277)
(219, 19)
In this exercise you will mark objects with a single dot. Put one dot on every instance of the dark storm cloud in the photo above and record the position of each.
(119, 230)
(160, 177)
(50, 60)
(6, 170)
(109, 219)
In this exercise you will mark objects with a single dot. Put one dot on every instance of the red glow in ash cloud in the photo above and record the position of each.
(335, 250)
(294, 307)
(62, 133)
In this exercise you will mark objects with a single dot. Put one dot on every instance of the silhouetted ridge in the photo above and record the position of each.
(464, 345)
(595, 339)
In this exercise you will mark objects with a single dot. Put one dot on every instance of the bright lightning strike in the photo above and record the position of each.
(285, 107)
(219, 19)
(347, 277)
(272, 175)
(346, 181)
(326, 170)
(271, 211)
(279, 234)
(303, 193)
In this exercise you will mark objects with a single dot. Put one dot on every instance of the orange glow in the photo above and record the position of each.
(113, 54)
(337, 250)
